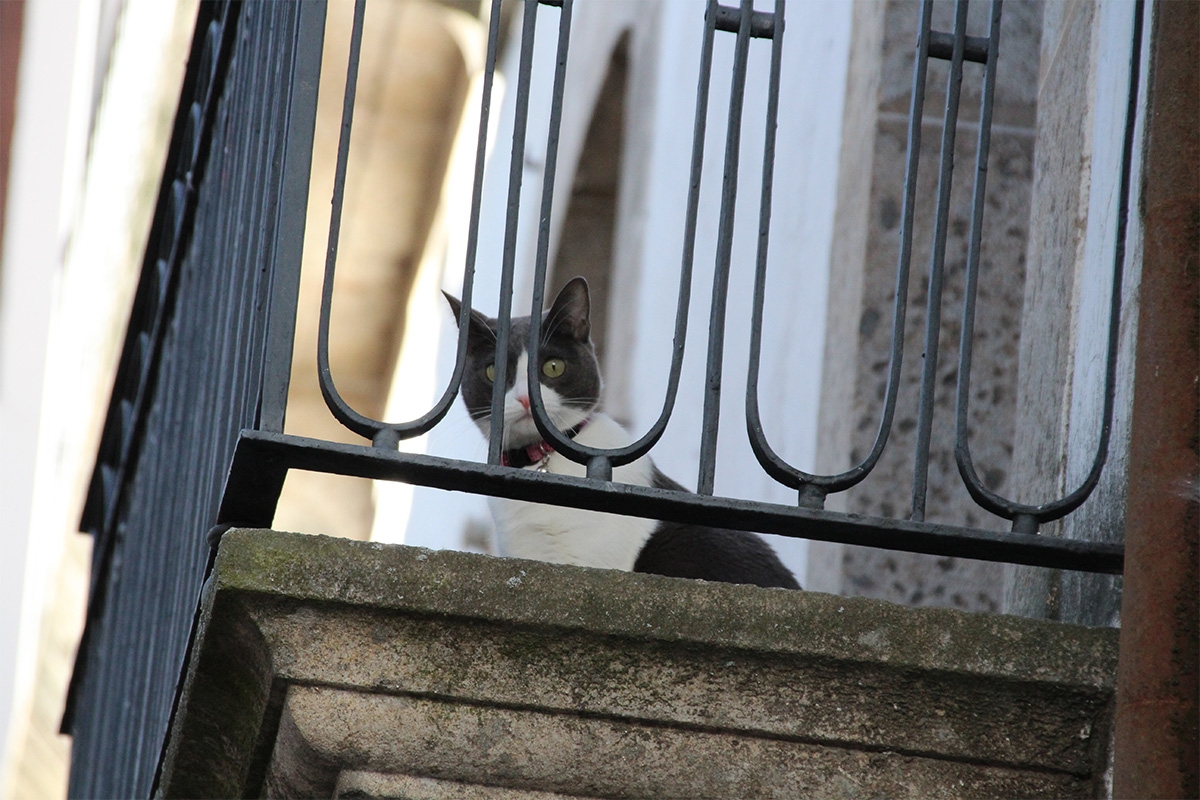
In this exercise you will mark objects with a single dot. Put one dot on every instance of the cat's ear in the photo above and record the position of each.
(571, 311)
(480, 324)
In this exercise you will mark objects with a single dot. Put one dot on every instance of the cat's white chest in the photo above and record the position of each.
(575, 536)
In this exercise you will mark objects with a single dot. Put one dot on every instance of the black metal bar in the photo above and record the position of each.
(599, 466)
(762, 24)
(971, 286)
(1027, 517)
(515, 174)
(933, 307)
(716, 329)
(340, 409)
(434, 415)
(766, 455)
(289, 248)
(257, 447)
(386, 435)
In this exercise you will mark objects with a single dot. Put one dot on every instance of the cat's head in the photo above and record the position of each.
(568, 372)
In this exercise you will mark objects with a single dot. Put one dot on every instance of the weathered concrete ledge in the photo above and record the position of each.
(327, 667)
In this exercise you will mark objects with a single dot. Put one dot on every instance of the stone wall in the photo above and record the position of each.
(869, 247)
(1082, 89)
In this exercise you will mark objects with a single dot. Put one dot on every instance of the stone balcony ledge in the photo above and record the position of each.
(334, 668)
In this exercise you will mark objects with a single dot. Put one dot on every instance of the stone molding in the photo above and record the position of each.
(328, 667)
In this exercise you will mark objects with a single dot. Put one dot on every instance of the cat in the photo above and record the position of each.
(570, 384)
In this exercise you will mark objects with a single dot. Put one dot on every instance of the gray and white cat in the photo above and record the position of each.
(570, 383)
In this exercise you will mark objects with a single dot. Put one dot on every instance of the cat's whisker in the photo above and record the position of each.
(461, 429)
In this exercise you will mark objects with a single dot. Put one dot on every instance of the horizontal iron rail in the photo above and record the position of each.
(728, 19)
(263, 458)
(975, 48)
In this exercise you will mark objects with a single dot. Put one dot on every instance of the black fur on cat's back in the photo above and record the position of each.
(681, 550)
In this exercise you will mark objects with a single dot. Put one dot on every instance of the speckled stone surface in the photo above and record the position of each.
(914, 579)
(324, 663)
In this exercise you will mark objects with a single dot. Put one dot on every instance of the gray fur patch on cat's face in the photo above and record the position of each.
(568, 371)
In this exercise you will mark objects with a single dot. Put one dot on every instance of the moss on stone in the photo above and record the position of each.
(653, 607)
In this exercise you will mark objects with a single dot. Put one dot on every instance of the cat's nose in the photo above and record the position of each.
(524, 401)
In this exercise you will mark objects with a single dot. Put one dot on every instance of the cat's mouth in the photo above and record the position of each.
(520, 429)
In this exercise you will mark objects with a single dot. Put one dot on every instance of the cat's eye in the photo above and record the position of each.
(489, 372)
(553, 367)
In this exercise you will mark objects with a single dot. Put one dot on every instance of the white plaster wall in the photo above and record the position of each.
(45, 157)
(664, 54)
(1112, 34)
(86, 168)
(1095, 599)
(1066, 315)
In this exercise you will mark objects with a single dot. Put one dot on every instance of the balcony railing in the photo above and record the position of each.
(264, 455)
(194, 438)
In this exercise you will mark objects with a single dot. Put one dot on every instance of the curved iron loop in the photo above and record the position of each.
(387, 435)
(1026, 516)
(363, 426)
(573, 450)
(811, 486)
(725, 226)
(774, 466)
(426, 422)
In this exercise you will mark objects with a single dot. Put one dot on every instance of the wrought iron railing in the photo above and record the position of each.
(264, 456)
(194, 437)
(207, 354)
